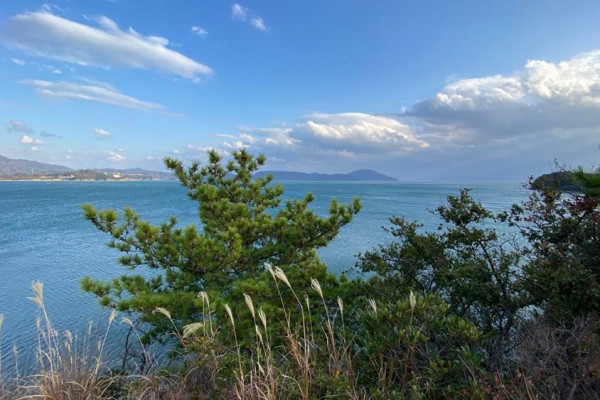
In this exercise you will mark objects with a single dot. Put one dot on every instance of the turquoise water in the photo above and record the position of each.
(44, 237)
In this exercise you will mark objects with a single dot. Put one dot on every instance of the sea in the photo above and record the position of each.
(44, 237)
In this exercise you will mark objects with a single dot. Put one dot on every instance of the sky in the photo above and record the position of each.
(419, 90)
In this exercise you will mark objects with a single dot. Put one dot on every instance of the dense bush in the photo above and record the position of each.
(466, 262)
(533, 291)
(417, 347)
(562, 272)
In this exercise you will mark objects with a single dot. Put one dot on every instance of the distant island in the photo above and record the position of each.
(16, 169)
(361, 175)
(564, 181)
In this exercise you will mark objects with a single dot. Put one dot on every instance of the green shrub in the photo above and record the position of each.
(562, 272)
(416, 347)
(465, 262)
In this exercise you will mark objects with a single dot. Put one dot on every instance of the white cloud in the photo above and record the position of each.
(199, 31)
(18, 61)
(26, 139)
(545, 98)
(101, 133)
(235, 145)
(471, 94)
(241, 14)
(34, 148)
(97, 93)
(114, 156)
(197, 148)
(225, 135)
(29, 140)
(238, 12)
(576, 81)
(323, 140)
(46, 35)
(241, 141)
(247, 138)
(50, 7)
(274, 137)
(194, 152)
(357, 132)
(258, 23)
(16, 125)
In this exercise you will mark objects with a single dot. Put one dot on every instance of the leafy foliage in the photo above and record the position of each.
(464, 262)
(417, 347)
(562, 275)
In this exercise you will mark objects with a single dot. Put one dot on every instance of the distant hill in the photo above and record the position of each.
(26, 169)
(361, 175)
(9, 166)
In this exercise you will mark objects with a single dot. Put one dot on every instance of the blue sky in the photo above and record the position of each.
(422, 90)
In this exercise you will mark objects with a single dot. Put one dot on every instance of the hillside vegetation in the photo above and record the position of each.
(250, 312)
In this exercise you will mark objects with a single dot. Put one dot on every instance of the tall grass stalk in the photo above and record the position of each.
(304, 350)
(64, 369)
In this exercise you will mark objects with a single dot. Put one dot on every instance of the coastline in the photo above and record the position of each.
(82, 180)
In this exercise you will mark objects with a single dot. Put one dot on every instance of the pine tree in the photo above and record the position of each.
(590, 181)
(245, 225)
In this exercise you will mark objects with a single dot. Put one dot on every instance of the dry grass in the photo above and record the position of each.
(287, 357)
(72, 367)
(560, 362)
(265, 371)
(68, 367)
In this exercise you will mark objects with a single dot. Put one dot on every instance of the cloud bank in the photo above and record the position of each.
(544, 98)
(327, 137)
(489, 127)
(358, 133)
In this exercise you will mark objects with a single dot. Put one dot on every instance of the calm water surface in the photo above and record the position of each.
(44, 237)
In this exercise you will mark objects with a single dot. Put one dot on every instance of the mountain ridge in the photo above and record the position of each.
(17, 166)
(359, 175)
(27, 169)
(24, 169)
